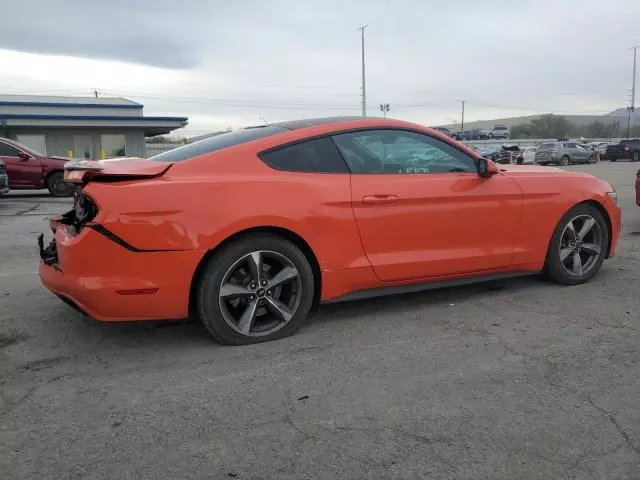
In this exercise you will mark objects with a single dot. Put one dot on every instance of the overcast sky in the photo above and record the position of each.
(234, 63)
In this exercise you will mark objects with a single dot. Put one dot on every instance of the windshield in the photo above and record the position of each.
(218, 142)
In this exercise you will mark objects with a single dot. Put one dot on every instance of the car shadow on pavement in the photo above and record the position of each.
(190, 332)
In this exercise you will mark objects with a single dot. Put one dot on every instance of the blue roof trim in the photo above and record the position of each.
(70, 105)
(93, 117)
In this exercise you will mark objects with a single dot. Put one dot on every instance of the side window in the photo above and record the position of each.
(401, 151)
(571, 145)
(313, 156)
(7, 150)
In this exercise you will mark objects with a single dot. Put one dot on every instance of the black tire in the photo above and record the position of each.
(57, 186)
(565, 160)
(636, 157)
(613, 159)
(555, 268)
(209, 304)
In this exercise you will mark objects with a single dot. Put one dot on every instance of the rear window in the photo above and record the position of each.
(314, 156)
(218, 142)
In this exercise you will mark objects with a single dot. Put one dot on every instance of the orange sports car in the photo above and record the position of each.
(246, 231)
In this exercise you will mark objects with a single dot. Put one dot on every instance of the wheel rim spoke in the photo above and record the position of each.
(280, 309)
(591, 248)
(586, 227)
(571, 231)
(565, 252)
(248, 318)
(287, 273)
(577, 264)
(233, 290)
(255, 266)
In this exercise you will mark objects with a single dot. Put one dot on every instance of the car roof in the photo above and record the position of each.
(312, 122)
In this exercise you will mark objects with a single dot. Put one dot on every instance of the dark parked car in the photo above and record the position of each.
(30, 170)
(444, 130)
(4, 179)
(626, 149)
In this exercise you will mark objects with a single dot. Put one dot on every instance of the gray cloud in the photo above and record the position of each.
(289, 59)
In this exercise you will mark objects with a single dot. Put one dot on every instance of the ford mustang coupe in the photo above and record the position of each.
(248, 230)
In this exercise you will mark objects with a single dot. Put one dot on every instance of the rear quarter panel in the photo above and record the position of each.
(198, 204)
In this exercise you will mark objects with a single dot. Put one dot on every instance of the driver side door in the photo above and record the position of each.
(423, 211)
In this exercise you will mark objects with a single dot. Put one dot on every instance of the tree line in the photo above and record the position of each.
(557, 126)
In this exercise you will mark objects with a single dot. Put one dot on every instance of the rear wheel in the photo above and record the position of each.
(57, 186)
(636, 157)
(256, 289)
(564, 161)
(578, 246)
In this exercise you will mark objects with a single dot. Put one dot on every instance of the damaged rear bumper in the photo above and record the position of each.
(111, 283)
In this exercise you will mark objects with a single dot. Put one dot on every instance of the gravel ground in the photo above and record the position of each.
(520, 379)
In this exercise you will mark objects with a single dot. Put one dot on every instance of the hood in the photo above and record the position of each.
(532, 169)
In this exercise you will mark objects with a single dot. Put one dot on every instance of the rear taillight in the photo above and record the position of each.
(85, 210)
(626, 149)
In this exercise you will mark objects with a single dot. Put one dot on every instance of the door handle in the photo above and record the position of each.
(379, 199)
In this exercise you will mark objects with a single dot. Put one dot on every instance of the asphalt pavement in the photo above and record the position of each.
(520, 379)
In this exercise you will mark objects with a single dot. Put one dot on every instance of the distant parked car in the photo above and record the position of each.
(625, 150)
(527, 156)
(499, 131)
(444, 130)
(30, 170)
(4, 179)
(600, 147)
(564, 153)
(475, 134)
(638, 188)
(506, 154)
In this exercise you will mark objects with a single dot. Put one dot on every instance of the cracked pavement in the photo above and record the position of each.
(518, 379)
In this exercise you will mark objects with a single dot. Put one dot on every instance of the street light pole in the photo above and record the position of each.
(364, 88)
(632, 107)
(462, 120)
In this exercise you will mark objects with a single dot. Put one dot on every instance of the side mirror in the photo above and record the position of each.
(486, 167)
(24, 156)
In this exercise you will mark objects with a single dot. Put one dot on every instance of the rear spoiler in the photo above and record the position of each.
(81, 172)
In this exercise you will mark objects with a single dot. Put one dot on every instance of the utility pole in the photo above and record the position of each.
(462, 120)
(384, 108)
(632, 107)
(364, 88)
(95, 93)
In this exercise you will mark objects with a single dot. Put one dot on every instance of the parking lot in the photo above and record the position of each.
(508, 380)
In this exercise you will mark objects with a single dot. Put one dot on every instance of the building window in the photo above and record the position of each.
(34, 142)
(113, 146)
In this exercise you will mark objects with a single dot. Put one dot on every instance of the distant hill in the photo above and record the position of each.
(622, 112)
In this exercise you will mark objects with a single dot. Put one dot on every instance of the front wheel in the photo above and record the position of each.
(256, 289)
(564, 161)
(578, 246)
(58, 187)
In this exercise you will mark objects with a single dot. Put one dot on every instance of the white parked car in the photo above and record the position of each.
(529, 156)
(499, 131)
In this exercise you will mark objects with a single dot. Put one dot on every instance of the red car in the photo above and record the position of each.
(246, 231)
(28, 169)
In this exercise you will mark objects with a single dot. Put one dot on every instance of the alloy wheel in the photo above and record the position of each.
(581, 245)
(260, 293)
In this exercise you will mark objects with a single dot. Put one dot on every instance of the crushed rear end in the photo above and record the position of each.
(104, 273)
